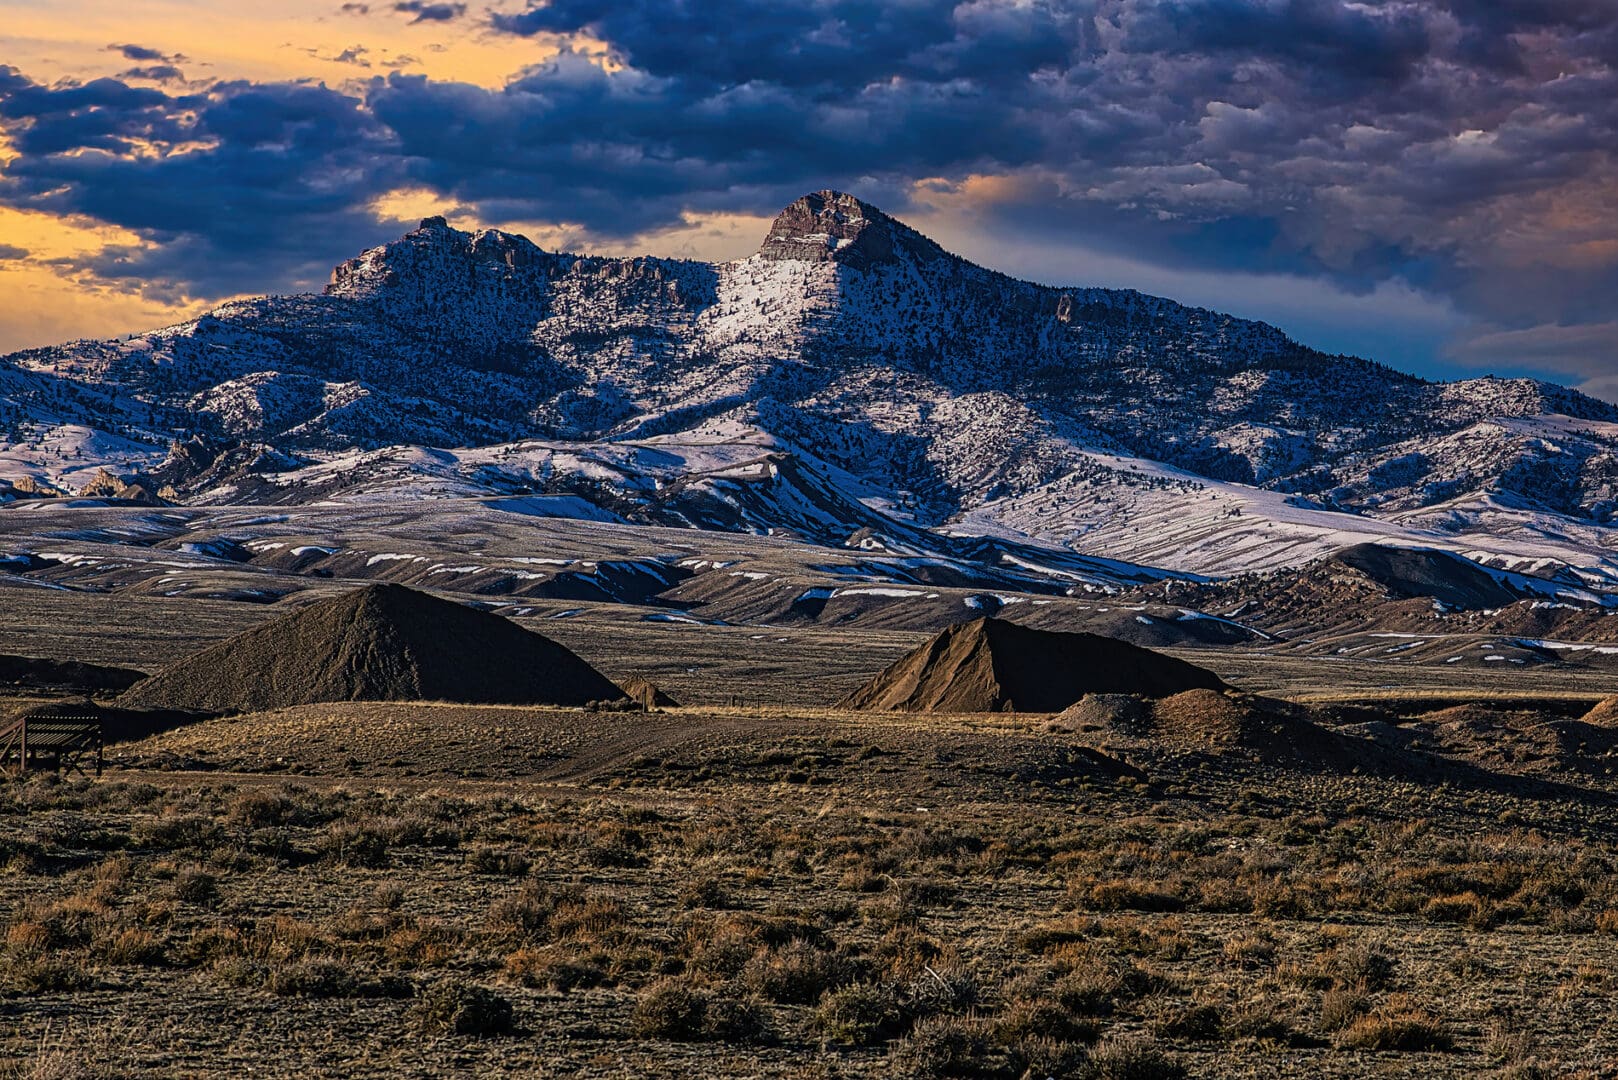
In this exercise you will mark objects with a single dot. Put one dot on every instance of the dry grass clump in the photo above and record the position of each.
(797, 973)
(1397, 1028)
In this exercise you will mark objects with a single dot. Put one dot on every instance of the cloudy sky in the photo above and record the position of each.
(1428, 182)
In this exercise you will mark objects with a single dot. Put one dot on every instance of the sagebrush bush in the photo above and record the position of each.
(1363, 966)
(797, 973)
(351, 843)
(1341, 1007)
(558, 971)
(945, 1046)
(1131, 1058)
(45, 974)
(457, 1008)
(498, 862)
(1020, 1019)
(195, 885)
(862, 1015)
(672, 1009)
(1196, 1023)
(680, 1011)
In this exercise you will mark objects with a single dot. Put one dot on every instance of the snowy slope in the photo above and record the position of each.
(851, 382)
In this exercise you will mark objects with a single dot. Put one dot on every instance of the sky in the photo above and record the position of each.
(1430, 183)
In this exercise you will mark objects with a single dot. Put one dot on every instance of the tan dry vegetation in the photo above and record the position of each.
(788, 893)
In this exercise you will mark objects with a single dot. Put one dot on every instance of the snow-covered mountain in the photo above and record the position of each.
(850, 380)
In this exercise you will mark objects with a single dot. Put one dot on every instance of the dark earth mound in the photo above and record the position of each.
(990, 665)
(27, 672)
(1219, 725)
(379, 643)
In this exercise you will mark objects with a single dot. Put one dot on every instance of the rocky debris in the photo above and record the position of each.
(29, 487)
(830, 226)
(1514, 740)
(103, 485)
(139, 494)
(1123, 714)
(1385, 588)
(202, 462)
(379, 643)
(991, 665)
(106, 485)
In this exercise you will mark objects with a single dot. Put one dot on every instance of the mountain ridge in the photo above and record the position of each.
(952, 396)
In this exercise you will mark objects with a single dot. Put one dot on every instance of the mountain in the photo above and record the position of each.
(850, 382)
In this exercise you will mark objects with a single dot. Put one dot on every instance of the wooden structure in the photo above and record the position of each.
(53, 736)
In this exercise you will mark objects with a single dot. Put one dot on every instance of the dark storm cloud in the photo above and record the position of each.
(164, 73)
(1464, 146)
(354, 54)
(424, 12)
(140, 54)
(12, 253)
(1321, 36)
(237, 187)
(839, 45)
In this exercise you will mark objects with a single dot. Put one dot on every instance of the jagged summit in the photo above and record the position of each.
(833, 226)
(431, 245)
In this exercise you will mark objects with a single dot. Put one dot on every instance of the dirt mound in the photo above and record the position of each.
(380, 643)
(1604, 714)
(646, 693)
(1120, 713)
(36, 674)
(990, 665)
(1204, 721)
(1523, 742)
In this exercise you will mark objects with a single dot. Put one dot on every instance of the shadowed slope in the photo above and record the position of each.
(380, 643)
(990, 665)
(1423, 572)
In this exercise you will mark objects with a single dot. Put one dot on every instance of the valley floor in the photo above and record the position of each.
(402, 890)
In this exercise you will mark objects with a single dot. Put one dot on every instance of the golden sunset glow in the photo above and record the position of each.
(74, 41)
(296, 39)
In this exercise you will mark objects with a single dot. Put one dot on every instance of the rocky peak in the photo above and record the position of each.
(431, 256)
(832, 226)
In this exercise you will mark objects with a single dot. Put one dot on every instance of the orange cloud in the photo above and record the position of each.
(291, 39)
